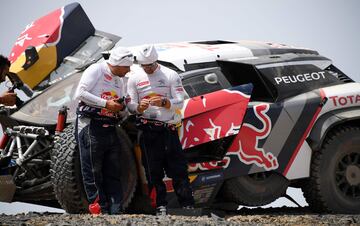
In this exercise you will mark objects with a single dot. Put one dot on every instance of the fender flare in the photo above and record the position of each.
(329, 120)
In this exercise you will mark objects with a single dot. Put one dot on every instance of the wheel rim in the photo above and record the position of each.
(348, 175)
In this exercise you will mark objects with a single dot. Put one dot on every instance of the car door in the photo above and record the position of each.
(214, 109)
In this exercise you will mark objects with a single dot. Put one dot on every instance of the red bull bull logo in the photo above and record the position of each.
(150, 95)
(220, 114)
(108, 96)
(246, 143)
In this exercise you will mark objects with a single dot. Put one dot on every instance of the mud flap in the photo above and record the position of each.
(7, 188)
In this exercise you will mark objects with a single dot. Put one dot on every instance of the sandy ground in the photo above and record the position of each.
(248, 217)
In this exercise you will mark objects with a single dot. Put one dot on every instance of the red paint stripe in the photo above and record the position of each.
(322, 94)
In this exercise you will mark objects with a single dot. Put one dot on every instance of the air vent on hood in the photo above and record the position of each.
(338, 74)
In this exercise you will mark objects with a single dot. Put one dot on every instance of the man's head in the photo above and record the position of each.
(147, 57)
(4, 67)
(120, 61)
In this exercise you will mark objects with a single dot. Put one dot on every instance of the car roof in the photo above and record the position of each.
(281, 59)
(180, 54)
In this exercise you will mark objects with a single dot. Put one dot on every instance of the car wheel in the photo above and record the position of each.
(334, 183)
(256, 189)
(66, 172)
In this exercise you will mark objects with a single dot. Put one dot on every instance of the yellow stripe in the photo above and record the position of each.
(38, 71)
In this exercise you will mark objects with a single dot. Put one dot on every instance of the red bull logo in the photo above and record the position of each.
(212, 116)
(108, 96)
(150, 95)
(45, 30)
(246, 143)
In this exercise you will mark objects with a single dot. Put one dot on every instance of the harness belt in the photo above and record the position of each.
(150, 122)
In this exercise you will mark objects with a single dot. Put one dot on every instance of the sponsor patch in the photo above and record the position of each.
(108, 77)
(143, 83)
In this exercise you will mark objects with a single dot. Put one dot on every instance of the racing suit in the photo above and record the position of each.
(97, 138)
(159, 140)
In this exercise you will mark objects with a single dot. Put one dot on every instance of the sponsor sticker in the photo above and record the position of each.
(306, 77)
(143, 83)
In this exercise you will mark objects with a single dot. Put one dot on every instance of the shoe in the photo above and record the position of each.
(161, 211)
(95, 208)
(115, 209)
(188, 207)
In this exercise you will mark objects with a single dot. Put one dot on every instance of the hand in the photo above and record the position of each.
(8, 99)
(114, 106)
(156, 101)
(160, 102)
(143, 105)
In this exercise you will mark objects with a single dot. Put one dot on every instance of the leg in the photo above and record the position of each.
(153, 160)
(112, 173)
(98, 136)
(82, 128)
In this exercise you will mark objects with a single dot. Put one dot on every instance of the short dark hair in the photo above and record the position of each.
(4, 61)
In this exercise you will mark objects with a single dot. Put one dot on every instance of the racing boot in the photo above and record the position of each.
(161, 211)
(97, 208)
(115, 208)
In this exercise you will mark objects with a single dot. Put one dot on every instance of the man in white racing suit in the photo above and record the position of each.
(157, 96)
(100, 88)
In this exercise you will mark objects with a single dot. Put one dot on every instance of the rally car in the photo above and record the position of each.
(260, 117)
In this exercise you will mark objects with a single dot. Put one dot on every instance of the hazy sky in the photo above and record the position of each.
(328, 26)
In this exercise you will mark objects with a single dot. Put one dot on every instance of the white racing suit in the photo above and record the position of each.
(159, 140)
(97, 138)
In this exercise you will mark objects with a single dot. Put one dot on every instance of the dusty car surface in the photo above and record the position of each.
(260, 117)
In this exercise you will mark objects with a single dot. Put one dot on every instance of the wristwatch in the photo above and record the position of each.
(163, 101)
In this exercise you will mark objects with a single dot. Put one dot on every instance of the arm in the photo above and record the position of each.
(132, 92)
(86, 84)
(177, 93)
(135, 106)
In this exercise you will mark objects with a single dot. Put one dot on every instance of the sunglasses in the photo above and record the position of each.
(148, 65)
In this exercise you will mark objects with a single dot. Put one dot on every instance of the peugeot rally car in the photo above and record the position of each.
(260, 117)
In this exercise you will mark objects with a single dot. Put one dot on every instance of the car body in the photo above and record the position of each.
(260, 117)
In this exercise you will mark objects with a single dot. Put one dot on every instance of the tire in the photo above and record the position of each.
(256, 189)
(66, 172)
(334, 183)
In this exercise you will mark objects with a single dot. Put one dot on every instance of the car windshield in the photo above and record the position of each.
(46, 105)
